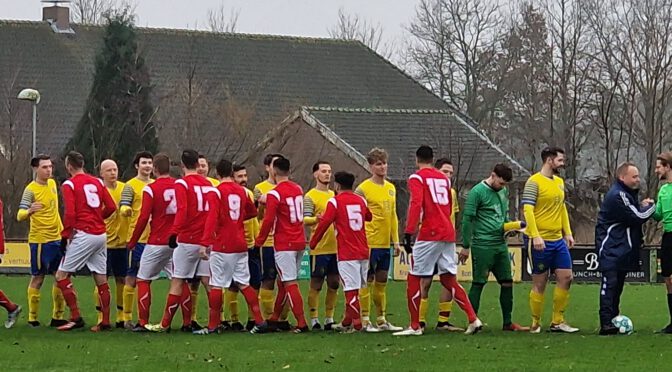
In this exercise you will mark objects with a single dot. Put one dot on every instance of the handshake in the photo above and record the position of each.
(514, 227)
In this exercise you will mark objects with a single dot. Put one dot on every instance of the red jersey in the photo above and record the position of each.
(347, 211)
(224, 227)
(158, 201)
(430, 202)
(2, 230)
(284, 212)
(87, 205)
(192, 207)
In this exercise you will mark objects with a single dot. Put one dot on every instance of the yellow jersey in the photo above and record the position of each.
(383, 230)
(251, 225)
(544, 208)
(45, 224)
(116, 226)
(131, 197)
(213, 181)
(315, 203)
(456, 206)
(262, 188)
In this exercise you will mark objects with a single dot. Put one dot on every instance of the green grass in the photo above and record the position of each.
(23, 348)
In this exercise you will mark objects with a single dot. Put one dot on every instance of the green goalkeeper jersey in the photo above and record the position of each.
(484, 215)
(664, 207)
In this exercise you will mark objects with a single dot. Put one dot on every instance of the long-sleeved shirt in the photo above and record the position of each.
(45, 224)
(158, 202)
(664, 207)
(383, 230)
(284, 212)
(430, 205)
(544, 208)
(192, 208)
(87, 205)
(485, 213)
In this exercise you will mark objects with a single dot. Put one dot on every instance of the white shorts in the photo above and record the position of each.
(86, 249)
(154, 259)
(186, 261)
(226, 268)
(353, 274)
(428, 255)
(288, 264)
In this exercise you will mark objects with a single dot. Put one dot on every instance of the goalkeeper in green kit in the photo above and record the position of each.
(484, 228)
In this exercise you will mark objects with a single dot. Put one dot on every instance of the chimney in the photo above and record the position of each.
(57, 16)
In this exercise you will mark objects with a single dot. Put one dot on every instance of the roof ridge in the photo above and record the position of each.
(376, 110)
(184, 31)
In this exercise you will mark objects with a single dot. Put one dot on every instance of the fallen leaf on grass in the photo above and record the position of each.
(286, 367)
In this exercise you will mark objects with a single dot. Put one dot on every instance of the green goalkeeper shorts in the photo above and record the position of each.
(490, 259)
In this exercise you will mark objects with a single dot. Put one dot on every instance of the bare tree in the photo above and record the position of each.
(354, 27)
(96, 11)
(222, 19)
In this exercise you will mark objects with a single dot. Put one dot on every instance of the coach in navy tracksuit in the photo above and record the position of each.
(618, 238)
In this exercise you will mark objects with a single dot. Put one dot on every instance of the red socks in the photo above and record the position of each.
(70, 297)
(449, 281)
(144, 301)
(215, 303)
(252, 303)
(296, 303)
(352, 312)
(172, 304)
(6, 303)
(413, 298)
(280, 299)
(104, 297)
(185, 304)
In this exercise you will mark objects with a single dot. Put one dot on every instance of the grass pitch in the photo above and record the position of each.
(23, 348)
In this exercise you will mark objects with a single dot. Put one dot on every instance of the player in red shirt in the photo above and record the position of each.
(348, 211)
(430, 206)
(186, 236)
(13, 310)
(284, 212)
(87, 205)
(225, 231)
(159, 204)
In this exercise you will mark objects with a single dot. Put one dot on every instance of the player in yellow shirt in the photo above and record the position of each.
(548, 237)
(323, 262)
(116, 228)
(254, 260)
(39, 203)
(268, 270)
(130, 206)
(382, 232)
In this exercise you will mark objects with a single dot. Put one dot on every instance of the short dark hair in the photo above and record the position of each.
(623, 168)
(441, 162)
(142, 154)
(161, 163)
(238, 168)
(503, 171)
(35, 162)
(268, 159)
(201, 156)
(224, 168)
(551, 152)
(425, 154)
(282, 166)
(75, 159)
(665, 159)
(345, 180)
(316, 166)
(190, 158)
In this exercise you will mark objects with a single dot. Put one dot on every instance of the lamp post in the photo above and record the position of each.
(32, 95)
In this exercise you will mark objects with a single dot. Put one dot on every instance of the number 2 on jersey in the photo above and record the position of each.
(169, 196)
(295, 209)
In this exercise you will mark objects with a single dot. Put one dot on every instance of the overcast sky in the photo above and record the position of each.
(284, 17)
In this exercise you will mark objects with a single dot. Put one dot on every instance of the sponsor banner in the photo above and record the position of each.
(585, 266)
(17, 255)
(304, 270)
(401, 266)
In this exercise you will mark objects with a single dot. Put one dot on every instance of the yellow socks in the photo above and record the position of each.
(231, 303)
(560, 301)
(424, 304)
(313, 303)
(119, 298)
(58, 303)
(266, 302)
(536, 306)
(129, 294)
(444, 311)
(330, 304)
(365, 302)
(380, 300)
(33, 303)
(194, 303)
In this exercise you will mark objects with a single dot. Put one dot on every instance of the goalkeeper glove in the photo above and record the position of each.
(63, 246)
(408, 246)
(172, 241)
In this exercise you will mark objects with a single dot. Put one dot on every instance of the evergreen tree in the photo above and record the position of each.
(118, 119)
